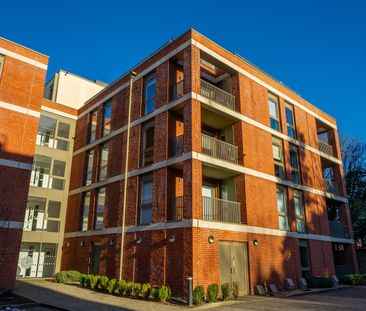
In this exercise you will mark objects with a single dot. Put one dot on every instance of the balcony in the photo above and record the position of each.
(219, 149)
(325, 148)
(214, 93)
(338, 229)
(220, 210)
(330, 186)
(176, 208)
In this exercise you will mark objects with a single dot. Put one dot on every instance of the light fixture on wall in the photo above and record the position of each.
(67, 244)
(211, 239)
(171, 239)
(255, 242)
(111, 242)
(139, 240)
(82, 243)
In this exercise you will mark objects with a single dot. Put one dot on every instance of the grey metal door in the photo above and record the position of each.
(96, 249)
(234, 265)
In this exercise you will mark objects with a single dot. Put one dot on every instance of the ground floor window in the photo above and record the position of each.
(304, 258)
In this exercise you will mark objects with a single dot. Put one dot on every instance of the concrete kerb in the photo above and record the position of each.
(313, 291)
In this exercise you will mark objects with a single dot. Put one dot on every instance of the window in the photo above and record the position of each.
(99, 218)
(304, 258)
(85, 212)
(63, 130)
(150, 88)
(295, 166)
(146, 199)
(58, 168)
(274, 112)
(103, 164)
(34, 214)
(107, 117)
(46, 131)
(282, 208)
(89, 167)
(54, 209)
(57, 183)
(148, 144)
(40, 175)
(2, 58)
(290, 121)
(93, 118)
(278, 158)
(299, 211)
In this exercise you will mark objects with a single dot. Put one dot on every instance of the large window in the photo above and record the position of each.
(107, 118)
(282, 208)
(93, 119)
(85, 212)
(47, 133)
(89, 167)
(99, 215)
(34, 214)
(146, 199)
(290, 121)
(299, 211)
(103, 164)
(150, 89)
(278, 158)
(295, 166)
(2, 58)
(274, 112)
(40, 176)
(148, 144)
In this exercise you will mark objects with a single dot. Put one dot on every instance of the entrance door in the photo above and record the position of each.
(234, 265)
(96, 249)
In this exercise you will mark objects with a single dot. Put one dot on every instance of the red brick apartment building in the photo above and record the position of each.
(232, 176)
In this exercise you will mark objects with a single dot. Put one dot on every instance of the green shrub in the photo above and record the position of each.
(112, 286)
(128, 289)
(60, 277)
(212, 292)
(121, 287)
(94, 281)
(145, 290)
(319, 282)
(67, 276)
(354, 279)
(198, 294)
(103, 283)
(88, 280)
(83, 278)
(164, 293)
(225, 290)
(154, 292)
(136, 288)
(235, 290)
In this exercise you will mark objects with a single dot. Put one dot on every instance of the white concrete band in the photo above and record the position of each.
(196, 223)
(19, 109)
(16, 164)
(23, 58)
(58, 112)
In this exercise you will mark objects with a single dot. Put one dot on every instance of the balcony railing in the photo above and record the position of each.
(212, 92)
(178, 89)
(330, 186)
(177, 146)
(219, 149)
(338, 229)
(325, 147)
(220, 210)
(176, 208)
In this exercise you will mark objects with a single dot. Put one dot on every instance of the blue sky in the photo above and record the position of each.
(317, 48)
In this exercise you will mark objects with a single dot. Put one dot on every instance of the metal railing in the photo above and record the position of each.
(220, 210)
(212, 92)
(338, 229)
(219, 149)
(177, 146)
(178, 89)
(330, 186)
(176, 208)
(325, 147)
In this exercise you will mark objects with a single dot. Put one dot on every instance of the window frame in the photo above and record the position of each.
(103, 168)
(293, 149)
(84, 225)
(144, 150)
(2, 62)
(289, 107)
(86, 170)
(277, 119)
(144, 180)
(99, 225)
(106, 104)
(278, 163)
(92, 135)
(300, 216)
(147, 81)
(281, 214)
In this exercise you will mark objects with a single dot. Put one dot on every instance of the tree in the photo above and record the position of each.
(354, 164)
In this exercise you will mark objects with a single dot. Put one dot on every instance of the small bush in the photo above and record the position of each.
(103, 283)
(83, 279)
(212, 292)
(136, 288)
(60, 277)
(121, 287)
(235, 290)
(67, 276)
(225, 290)
(164, 293)
(112, 286)
(354, 279)
(319, 282)
(154, 292)
(94, 281)
(145, 290)
(198, 294)
(128, 289)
